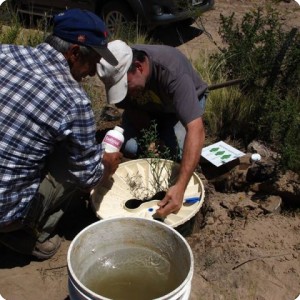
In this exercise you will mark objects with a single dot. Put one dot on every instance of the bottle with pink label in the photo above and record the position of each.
(113, 140)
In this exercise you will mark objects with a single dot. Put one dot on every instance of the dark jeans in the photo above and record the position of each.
(169, 129)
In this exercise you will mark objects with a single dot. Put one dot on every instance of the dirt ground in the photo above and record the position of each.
(242, 253)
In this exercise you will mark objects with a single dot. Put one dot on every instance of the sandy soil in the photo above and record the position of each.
(240, 251)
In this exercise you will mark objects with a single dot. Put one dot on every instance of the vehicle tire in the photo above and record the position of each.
(210, 4)
(116, 15)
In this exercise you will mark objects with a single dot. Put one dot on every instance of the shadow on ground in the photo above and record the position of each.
(175, 35)
(78, 216)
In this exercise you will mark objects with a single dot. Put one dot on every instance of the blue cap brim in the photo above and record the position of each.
(106, 54)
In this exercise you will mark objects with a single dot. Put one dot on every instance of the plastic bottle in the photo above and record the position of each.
(113, 140)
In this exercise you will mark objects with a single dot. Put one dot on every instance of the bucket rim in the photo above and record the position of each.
(176, 291)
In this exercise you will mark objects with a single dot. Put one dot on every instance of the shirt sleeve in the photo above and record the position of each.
(185, 99)
(84, 154)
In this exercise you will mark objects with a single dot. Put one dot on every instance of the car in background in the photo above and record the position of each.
(150, 14)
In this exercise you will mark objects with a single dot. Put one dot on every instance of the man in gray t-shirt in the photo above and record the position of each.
(156, 82)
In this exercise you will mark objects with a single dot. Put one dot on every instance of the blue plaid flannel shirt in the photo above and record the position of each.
(41, 104)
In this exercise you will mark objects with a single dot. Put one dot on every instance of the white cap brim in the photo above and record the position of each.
(117, 92)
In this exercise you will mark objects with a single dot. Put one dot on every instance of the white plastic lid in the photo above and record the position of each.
(133, 180)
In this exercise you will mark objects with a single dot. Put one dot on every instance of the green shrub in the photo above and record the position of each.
(267, 58)
(226, 108)
(12, 31)
(9, 35)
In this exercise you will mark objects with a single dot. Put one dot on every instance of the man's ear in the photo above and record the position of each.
(73, 53)
(139, 66)
(142, 67)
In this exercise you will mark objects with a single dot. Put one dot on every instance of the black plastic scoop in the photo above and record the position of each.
(135, 203)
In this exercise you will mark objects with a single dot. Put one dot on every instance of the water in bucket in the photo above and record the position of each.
(132, 273)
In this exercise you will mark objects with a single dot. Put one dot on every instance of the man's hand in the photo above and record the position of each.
(171, 203)
(111, 162)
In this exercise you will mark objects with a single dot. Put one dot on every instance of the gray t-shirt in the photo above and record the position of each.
(173, 86)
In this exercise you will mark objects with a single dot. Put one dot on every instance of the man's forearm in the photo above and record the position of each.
(193, 144)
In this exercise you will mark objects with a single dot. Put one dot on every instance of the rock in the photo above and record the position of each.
(286, 185)
(261, 177)
(260, 298)
(297, 247)
(238, 212)
(271, 205)
(261, 171)
(210, 221)
(110, 113)
(260, 148)
(245, 161)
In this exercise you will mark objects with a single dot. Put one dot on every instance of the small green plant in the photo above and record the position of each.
(150, 145)
(161, 166)
(154, 151)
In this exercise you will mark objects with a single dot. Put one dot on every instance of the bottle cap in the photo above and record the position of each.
(118, 128)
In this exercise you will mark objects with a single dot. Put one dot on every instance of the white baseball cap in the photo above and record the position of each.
(115, 77)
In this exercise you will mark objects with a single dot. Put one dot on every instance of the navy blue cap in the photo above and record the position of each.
(84, 28)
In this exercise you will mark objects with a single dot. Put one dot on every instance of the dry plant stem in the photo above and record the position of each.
(56, 268)
(258, 257)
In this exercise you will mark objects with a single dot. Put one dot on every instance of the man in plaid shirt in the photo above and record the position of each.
(45, 110)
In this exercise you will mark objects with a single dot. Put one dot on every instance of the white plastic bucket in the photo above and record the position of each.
(98, 245)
